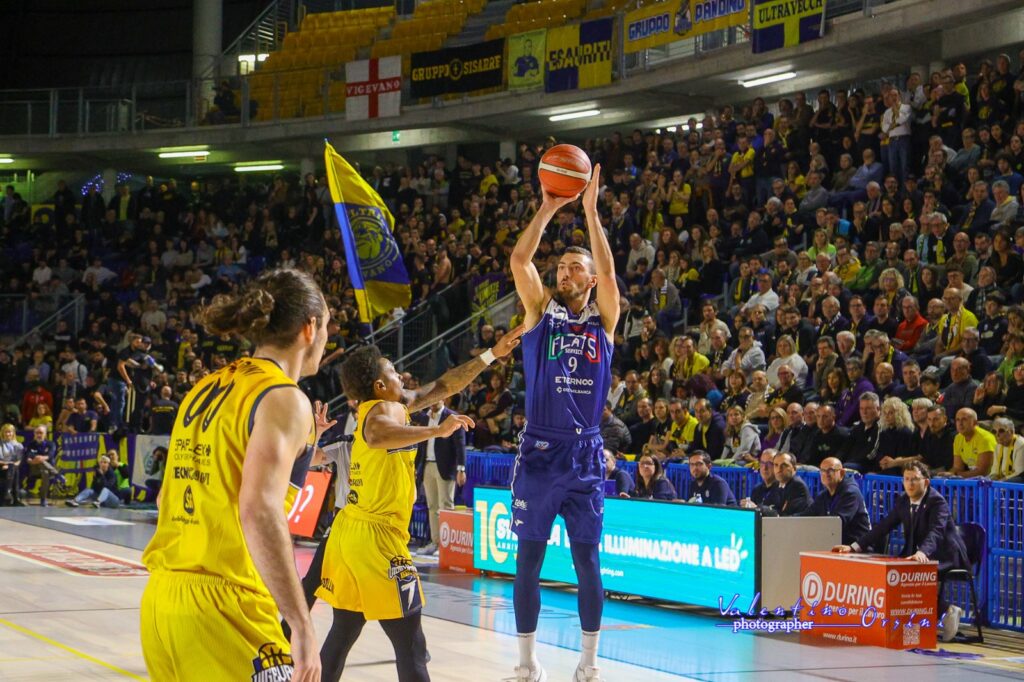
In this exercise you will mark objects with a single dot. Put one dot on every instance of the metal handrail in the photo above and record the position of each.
(454, 331)
(458, 329)
(246, 33)
(76, 302)
(421, 308)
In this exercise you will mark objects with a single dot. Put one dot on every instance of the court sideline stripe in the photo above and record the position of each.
(65, 647)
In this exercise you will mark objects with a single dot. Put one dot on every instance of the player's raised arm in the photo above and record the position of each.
(604, 263)
(528, 283)
(457, 378)
(386, 428)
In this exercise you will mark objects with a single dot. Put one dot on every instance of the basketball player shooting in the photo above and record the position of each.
(567, 351)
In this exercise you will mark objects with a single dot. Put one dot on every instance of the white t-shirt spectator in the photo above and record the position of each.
(42, 274)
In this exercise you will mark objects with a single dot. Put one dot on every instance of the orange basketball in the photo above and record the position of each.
(564, 170)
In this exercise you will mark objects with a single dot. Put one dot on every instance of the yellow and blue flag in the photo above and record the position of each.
(375, 263)
(579, 56)
(786, 23)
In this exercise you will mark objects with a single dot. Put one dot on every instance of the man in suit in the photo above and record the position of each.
(793, 496)
(766, 494)
(440, 465)
(929, 535)
(841, 497)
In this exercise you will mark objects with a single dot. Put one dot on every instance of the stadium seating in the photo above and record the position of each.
(534, 15)
(299, 70)
(430, 25)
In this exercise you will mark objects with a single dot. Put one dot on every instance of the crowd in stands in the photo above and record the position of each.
(842, 279)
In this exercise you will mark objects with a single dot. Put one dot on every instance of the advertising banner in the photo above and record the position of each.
(458, 69)
(455, 548)
(667, 22)
(150, 460)
(579, 56)
(309, 501)
(695, 554)
(526, 60)
(879, 601)
(786, 23)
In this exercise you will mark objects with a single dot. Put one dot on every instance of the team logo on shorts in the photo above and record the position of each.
(272, 664)
(327, 584)
(401, 568)
(189, 502)
(541, 444)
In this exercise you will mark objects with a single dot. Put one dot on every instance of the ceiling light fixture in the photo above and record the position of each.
(765, 80)
(586, 113)
(259, 167)
(188, 154)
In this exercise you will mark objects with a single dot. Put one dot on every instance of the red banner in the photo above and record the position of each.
(308, 503)
(455, 549)
(864, 599)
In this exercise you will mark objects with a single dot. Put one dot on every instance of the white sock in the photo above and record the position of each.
(588, 654)
(527, 650)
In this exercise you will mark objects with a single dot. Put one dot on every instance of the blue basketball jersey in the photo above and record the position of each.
(568, 370)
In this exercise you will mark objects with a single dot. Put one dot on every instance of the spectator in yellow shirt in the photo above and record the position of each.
(973, 447)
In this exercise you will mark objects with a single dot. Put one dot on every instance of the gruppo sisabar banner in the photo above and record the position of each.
(693, 554)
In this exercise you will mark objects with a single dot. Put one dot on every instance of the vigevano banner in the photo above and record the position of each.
(458, 69)
(692, 554)
(667, 22)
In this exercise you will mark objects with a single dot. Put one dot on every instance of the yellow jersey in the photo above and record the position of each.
(199, 530)
(383, 482)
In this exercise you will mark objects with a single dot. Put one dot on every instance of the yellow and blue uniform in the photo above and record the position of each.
(367, 565)
(204, 587)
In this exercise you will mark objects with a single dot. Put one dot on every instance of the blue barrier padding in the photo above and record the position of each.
(997, 507)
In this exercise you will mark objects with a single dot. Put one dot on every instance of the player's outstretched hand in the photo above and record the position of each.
(305, 656)
(508, 342)
(590, 193)
(555, 202)
(323, 422)
(453, 423)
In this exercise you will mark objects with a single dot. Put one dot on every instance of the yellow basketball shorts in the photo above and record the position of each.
(368, 569)
(199, 627)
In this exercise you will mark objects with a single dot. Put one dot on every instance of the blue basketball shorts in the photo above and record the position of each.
(564, 477)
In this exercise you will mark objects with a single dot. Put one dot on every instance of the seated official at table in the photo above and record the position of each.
(929, 535)
(841, 497)
(765, 494)
(793, 495)
(707, 487)
(612, 472)
(651, 483)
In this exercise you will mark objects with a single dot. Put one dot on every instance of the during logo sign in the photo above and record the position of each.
(811, 588)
